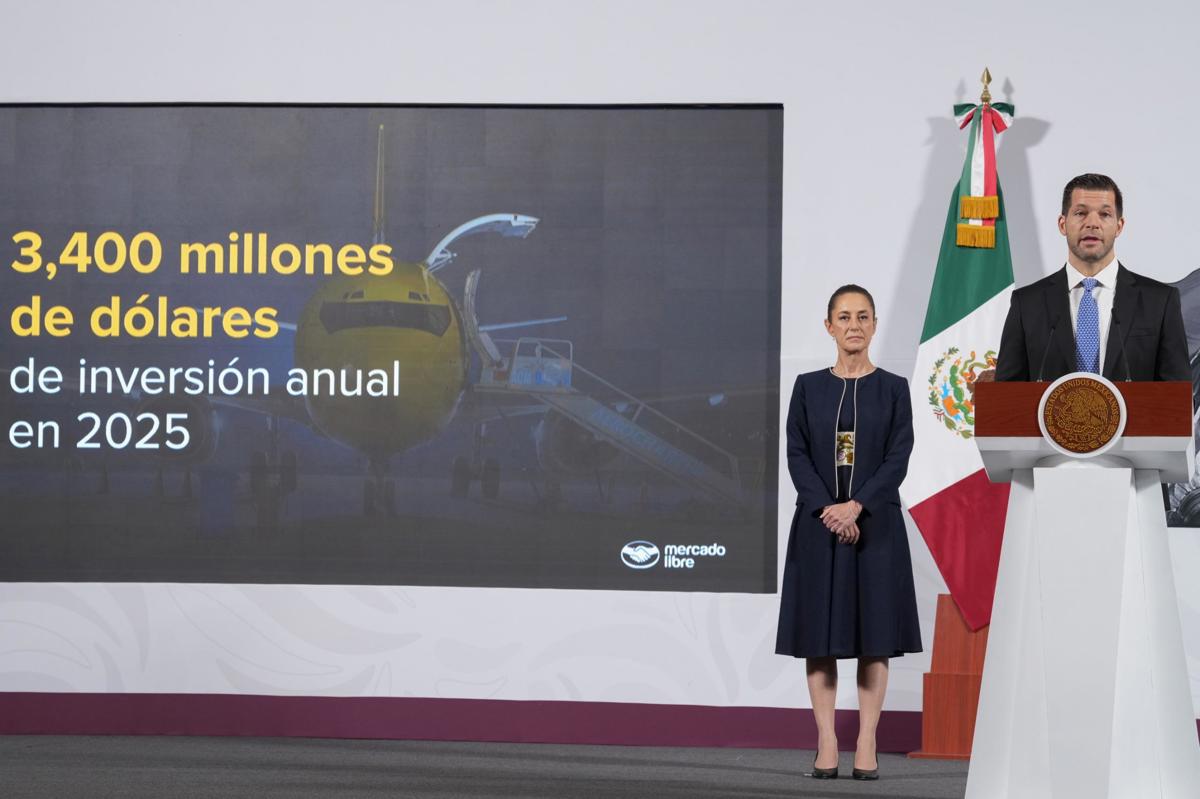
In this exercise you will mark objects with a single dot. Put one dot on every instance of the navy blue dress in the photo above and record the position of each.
(848, 600)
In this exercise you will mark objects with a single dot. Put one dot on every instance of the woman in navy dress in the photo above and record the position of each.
(847, 580)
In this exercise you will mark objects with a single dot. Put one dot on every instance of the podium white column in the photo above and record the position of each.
(1085, 689)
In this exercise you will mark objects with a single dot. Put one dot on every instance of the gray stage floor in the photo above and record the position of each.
(298, 768)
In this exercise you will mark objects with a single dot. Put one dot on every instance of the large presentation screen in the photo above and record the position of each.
(459, 346)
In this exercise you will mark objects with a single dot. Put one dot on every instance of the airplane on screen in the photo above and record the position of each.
(407, 321)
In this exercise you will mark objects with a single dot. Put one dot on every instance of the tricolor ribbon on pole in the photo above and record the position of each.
(979, 204)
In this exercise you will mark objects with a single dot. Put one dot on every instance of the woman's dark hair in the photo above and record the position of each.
(849, 288)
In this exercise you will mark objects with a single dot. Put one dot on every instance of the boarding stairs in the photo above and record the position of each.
(544, 370)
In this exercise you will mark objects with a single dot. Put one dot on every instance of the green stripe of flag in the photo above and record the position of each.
(966, 277)
(962, 108)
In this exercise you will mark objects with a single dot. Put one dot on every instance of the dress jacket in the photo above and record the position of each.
(849, 600)
(1146, 338)
(882, 445)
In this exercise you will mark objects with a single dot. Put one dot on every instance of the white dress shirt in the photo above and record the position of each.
(1104, 293)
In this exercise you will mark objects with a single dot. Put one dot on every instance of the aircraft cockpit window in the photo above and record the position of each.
(357, 295)
(415, 295)
(339, 316)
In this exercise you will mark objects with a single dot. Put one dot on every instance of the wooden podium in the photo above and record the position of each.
(1085, 686)
(950, 691)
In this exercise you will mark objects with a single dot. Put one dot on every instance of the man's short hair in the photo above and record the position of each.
(1093, 182)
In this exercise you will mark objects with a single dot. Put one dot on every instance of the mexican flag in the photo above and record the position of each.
(961, 514)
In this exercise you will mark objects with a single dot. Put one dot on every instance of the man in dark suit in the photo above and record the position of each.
(1093, 314)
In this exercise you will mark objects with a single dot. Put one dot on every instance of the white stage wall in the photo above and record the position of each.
(870, 153)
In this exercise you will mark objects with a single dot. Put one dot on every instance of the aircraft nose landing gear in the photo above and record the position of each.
(477, 467)
(272, 478)
(379, 491)
(462, 472)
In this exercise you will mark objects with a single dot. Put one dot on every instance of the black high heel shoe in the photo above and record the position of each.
(823, 773)
(865, 774)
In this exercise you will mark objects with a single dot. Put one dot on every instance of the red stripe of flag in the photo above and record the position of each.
(963, 526)
(989, 156)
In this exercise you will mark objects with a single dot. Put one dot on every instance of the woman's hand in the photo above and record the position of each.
(841, 516)
(849, 534)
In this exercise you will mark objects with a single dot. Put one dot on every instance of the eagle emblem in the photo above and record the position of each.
(952, 388)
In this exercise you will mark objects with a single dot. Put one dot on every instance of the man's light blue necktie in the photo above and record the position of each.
(1087, 330)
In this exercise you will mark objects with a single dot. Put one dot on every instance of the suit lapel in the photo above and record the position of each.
(1125, 303)
(1058, 309)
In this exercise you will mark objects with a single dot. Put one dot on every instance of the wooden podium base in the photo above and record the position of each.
(951, 696)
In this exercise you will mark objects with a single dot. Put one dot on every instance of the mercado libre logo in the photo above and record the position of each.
(952, 388)
(639, 554)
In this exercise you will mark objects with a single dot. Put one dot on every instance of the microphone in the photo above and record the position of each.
(1046, 351)
(1121, 342)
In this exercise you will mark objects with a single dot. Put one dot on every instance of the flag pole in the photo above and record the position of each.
(959, 512)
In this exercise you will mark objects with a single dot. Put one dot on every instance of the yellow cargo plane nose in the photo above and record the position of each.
(406, 325)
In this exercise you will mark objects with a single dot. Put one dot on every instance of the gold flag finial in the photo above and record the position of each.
(986, 77)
